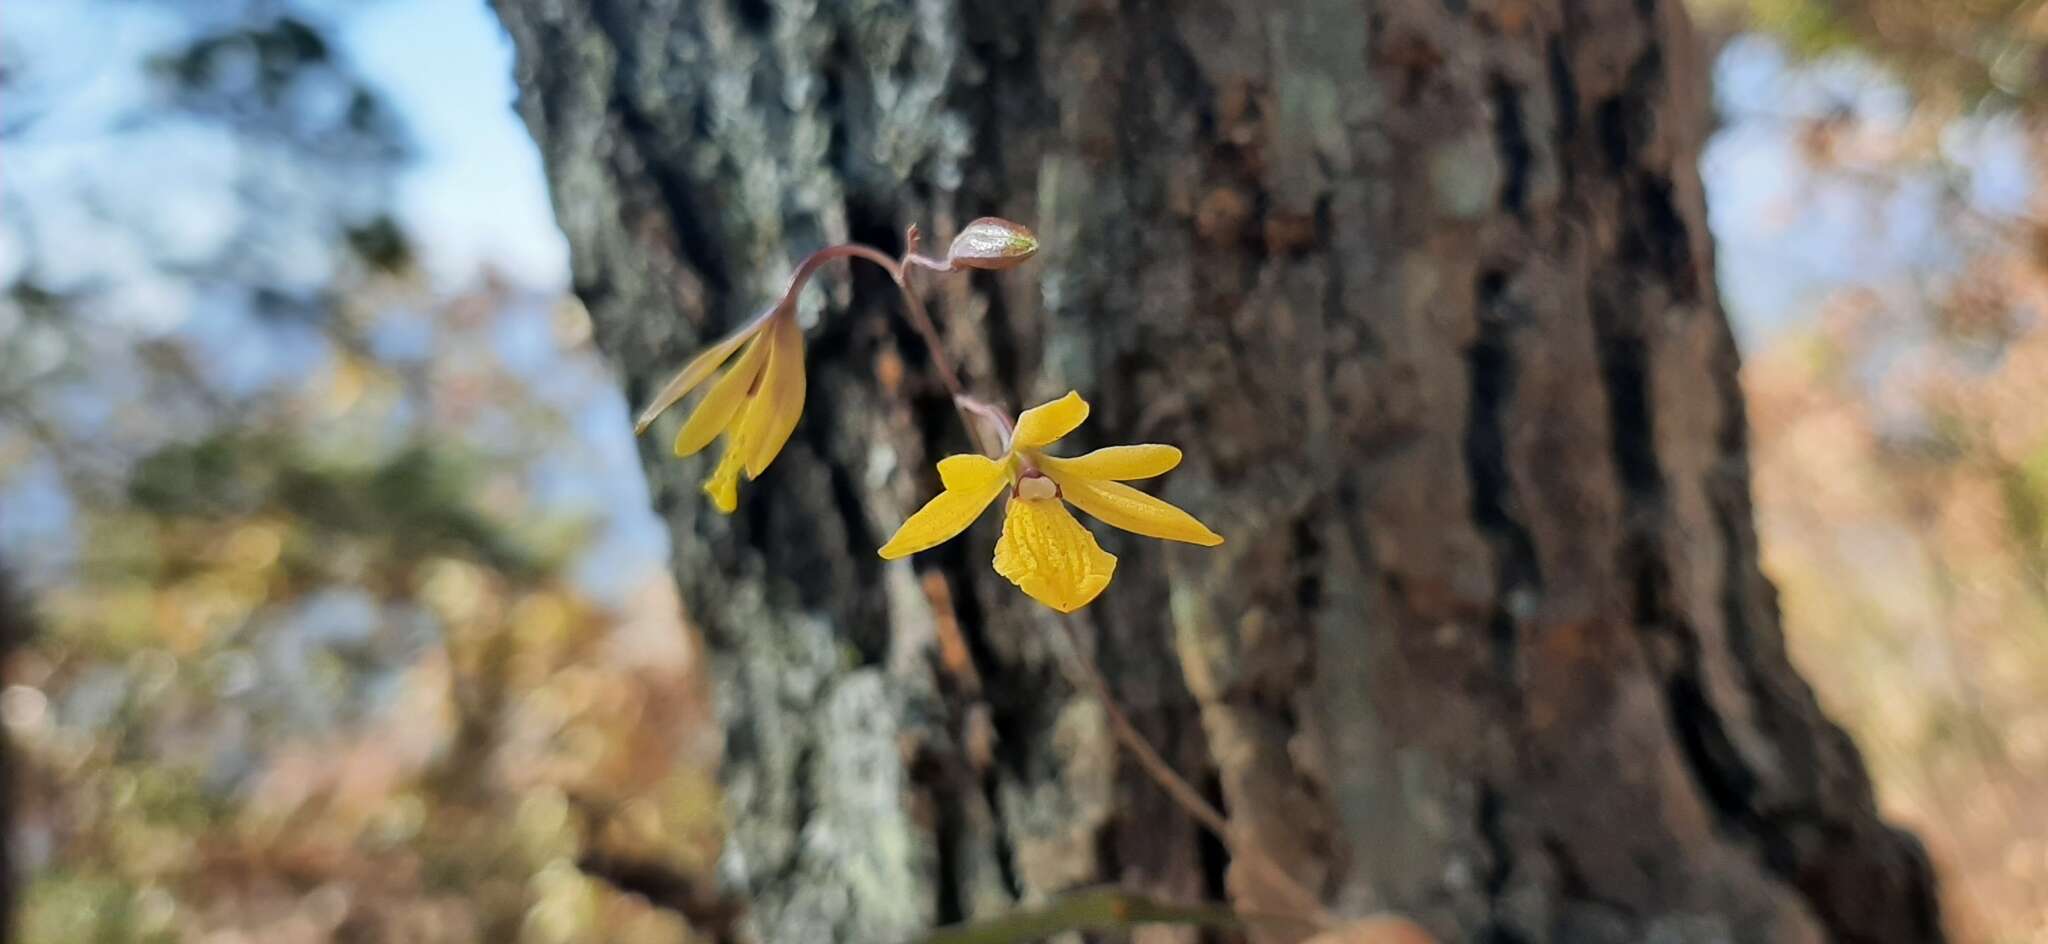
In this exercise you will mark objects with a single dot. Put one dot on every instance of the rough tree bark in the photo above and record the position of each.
(1424, 287)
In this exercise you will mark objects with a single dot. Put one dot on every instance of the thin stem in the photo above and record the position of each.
(999, 423)
(923, 322)
(927, 262)
(911, 257)
(919, 320)
(1088, 677)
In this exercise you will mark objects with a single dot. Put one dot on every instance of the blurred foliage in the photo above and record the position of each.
(314, 661)
(1958, 54)
(1911, 567)
(412, 503)
(307, 693)
(1900, 443)
(271, 65)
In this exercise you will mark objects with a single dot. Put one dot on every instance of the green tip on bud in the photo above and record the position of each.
(992, 243)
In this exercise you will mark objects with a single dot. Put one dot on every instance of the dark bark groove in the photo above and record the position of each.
(1424, 290)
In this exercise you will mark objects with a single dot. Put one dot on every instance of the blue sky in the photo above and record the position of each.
(95, 218)
(477, 191)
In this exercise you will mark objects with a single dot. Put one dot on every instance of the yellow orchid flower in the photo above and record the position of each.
(755, 405)
(1043, 550)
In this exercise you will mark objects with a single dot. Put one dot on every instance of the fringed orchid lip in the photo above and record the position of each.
(1043, 549)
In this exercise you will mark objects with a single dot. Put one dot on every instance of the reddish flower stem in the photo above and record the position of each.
(919, 319)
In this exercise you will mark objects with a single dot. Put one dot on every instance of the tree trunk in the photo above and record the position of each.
(1425, 290)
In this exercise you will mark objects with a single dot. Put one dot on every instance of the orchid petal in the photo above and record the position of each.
(972, 482)
(1044, 424)
(780, 401)
(722, 402)
(967, 470)
(1119, 463)
(695, 372)
(1121, 506)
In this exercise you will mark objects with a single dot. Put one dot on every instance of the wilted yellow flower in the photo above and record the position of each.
(1043, 550)
(755, 405)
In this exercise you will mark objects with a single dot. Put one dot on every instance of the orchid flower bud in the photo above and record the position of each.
(992, 243)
